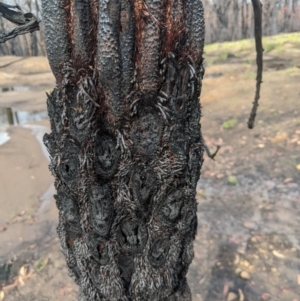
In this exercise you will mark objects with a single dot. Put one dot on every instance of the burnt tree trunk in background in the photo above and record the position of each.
(34, 51)
(33, 41)
(125, 146)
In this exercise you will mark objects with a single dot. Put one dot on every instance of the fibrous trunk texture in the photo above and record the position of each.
(125, 146)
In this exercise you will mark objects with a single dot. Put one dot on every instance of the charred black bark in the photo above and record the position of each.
(126, 147)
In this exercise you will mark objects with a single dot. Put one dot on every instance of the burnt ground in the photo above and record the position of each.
(248, 242)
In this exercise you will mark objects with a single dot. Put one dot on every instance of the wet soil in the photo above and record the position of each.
(248, 242)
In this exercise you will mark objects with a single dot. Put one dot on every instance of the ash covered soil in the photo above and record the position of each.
(248, 243)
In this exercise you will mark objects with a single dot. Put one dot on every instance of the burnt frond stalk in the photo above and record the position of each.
(257, 8)
(126, 146)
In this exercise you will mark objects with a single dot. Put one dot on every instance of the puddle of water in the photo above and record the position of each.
(9, 116)
(14, 88)
(22, 117)
(4, 137)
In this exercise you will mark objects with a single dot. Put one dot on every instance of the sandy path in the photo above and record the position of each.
(28, 219)
(24, 179)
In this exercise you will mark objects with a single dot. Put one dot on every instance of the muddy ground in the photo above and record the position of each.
(248, 242)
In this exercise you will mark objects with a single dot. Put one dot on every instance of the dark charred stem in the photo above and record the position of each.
(207, 150)
(209, 154)
(257, 7)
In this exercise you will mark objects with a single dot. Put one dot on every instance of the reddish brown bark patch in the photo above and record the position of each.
(140, 13)
(69, 9)
(175, 39)
(94, 7)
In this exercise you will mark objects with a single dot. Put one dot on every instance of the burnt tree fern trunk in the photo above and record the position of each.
(126, 147)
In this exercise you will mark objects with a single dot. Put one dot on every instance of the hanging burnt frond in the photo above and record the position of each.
(257, 8)
(26, 22)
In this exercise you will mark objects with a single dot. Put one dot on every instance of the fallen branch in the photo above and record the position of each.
(257, 8)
